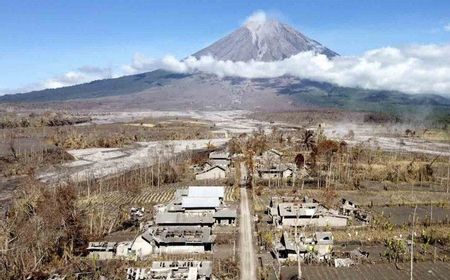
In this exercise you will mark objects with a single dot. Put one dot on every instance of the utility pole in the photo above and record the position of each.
(448, 172)
(297, 249)
(412, 241)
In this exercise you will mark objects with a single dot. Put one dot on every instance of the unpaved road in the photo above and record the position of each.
(248, 262)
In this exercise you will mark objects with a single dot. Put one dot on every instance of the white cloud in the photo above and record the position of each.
(83, 74)
(258, 17)
(140, 63)
(414, 69)
(447, 27)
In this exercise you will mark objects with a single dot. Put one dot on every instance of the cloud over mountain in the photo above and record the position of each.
(413, 69)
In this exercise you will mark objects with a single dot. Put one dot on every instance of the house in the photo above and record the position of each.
(165, 270)
(323, 243)
(102, 250)
(220, 158)
(279, 172)
(178, 239)
(225, 216)
(206, 191)
(305, 213)
(216, 172)
(200, 205)
(318, 246)
(195, 270)
(196, 205)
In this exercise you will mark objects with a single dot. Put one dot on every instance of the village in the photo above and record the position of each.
(222, 196)
(271, 205)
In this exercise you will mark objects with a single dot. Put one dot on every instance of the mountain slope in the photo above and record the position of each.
(97, 89)
(263, 41)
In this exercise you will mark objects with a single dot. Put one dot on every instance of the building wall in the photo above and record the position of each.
(141, 247)
(215, 173)
(267, 176)
(101, 255)
(225, 222)
(200, 212)
(180, 249)
(320, 222)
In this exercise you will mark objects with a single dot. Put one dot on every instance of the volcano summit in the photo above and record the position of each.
(266, 40)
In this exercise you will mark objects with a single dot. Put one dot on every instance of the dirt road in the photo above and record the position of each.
(248, 262)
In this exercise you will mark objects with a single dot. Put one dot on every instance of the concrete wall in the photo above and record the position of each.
(180, 249)
(141, 247)
(320, 222)
(199, 212)
(213, 174)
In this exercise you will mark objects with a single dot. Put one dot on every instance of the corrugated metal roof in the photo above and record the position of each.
(200, 202)
(183, 219)
(226, 213)
(206, 191)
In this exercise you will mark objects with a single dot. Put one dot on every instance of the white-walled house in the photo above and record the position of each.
(216, 172)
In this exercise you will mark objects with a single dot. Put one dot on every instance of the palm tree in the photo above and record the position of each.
(308, 140)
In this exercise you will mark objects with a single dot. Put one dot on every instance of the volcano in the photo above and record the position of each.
(263, 41)
(267, 40)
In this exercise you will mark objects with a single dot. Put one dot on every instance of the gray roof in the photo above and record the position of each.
(211, 168)
(102, 246)
(179, 234)
(206, 191)
(200, 202)
(183, 219)
(226, 213)
(219, 155)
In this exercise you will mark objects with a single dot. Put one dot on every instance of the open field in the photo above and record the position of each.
(147, 196)
(102, 162)
(426, 270)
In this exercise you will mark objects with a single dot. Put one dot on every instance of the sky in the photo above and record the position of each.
(53, 43)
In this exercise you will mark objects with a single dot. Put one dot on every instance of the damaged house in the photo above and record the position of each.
(317, 247)
(102, 250)
(276, 172)
(351, 209)
(174, 240)
(306, 212)
(165, 270)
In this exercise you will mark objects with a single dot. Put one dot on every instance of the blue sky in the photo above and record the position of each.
(42, 39)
